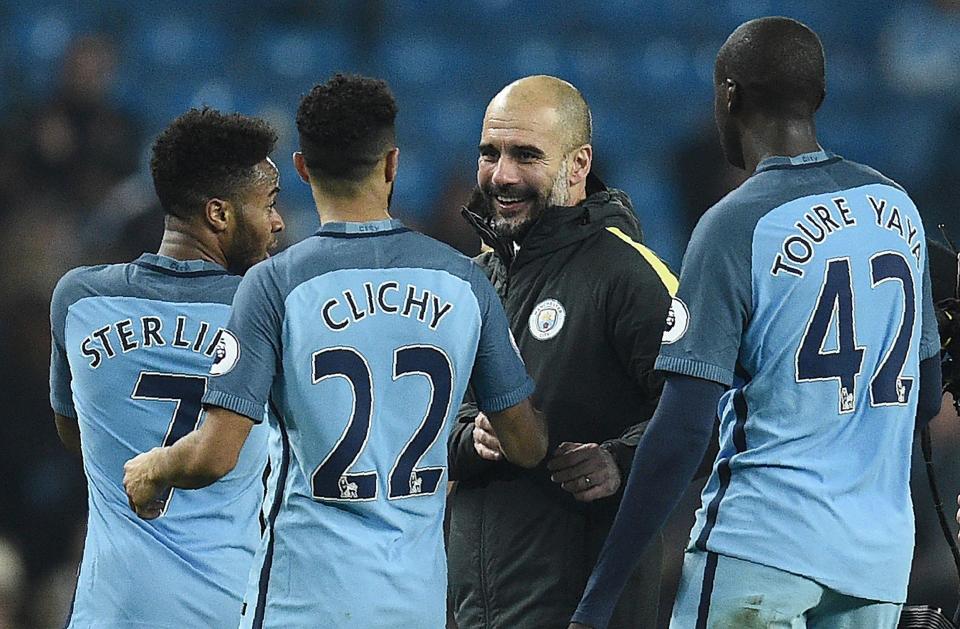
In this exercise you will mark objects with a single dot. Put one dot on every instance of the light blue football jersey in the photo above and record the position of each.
(807, 290)
(132, 344)
(364, 338)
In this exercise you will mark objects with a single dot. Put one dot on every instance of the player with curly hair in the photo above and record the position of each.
(364, 338)
(131, 348)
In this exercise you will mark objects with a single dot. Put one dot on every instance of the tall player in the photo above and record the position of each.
(132, 345)
(805, 294)
(363, 338)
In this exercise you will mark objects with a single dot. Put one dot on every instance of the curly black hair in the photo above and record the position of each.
(205, 154)
(346, 125)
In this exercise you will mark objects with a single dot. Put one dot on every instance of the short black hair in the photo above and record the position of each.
(205, 154)
(780, 64)
(346, 125)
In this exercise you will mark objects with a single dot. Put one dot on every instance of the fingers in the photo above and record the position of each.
(485, 440)
(608, 487)
(585, 470)
(484, 423)
(591, 467)
(569, 455)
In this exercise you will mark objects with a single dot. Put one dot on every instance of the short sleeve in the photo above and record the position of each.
(929, 333)
(499, 377)
(248, 352)
(61, 397)
(707, 317)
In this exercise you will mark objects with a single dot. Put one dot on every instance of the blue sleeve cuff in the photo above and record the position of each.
(694, 369)
(252, 410)
(506, 400)
(63, 408)
(929, 351)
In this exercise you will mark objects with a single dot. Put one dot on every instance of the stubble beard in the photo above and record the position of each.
(515, 228)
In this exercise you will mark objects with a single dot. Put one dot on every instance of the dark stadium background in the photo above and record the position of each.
(85, 85)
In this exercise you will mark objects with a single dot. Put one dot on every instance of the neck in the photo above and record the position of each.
(771, 137)
(366, 205)
(181, 242)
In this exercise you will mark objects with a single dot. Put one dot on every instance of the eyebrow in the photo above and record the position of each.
(527, 148)
(513, 149)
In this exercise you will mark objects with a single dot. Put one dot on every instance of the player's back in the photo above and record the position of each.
(380, 328)
(813, 472)
(139, 339)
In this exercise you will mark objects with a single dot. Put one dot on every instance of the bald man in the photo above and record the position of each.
(587, 304)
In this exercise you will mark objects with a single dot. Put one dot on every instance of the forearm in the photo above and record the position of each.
(930, 391)
(522, 431)
(68, 429)
(664, 463)
(185, 465)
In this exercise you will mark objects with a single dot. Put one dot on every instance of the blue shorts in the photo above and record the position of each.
(720, 592)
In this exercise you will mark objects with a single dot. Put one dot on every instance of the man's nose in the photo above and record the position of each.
(505, 172)
(276, 223)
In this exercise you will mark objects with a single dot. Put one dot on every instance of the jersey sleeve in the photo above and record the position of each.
(708, 316)
(929, 333)
(61, 398)
(499, 377)
(248, 353)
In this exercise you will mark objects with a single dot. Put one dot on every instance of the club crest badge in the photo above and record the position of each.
(546, 320)
(678, 320)
(226, 355)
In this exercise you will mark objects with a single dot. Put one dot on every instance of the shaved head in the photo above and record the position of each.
(779, 62)
(572, 121)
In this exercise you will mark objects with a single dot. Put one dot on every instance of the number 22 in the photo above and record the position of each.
(330, 480)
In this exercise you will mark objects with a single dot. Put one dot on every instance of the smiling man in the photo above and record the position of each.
(587, 304)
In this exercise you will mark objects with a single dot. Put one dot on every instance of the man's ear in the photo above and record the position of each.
(217, 213)
(580, 164)
(301, 165)
(392, 165)
(732, 95)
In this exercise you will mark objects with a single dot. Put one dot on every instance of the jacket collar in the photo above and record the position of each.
(559, 226)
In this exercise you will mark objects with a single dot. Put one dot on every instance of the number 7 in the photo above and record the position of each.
(186, 391)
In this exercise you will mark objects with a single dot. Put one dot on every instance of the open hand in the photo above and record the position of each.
(485, 440)
(143, 492)
(586, 470)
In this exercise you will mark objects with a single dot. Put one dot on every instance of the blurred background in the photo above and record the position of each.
(85, 86)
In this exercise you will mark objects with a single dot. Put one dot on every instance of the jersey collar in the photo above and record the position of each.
(171, 266)
(804, 159)
(369, 227)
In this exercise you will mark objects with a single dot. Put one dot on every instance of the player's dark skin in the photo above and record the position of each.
(748, 135)
(234, 233)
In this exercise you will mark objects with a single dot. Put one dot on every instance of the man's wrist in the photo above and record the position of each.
(622, 455)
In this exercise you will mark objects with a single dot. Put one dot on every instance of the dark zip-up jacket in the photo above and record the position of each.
(587, 304)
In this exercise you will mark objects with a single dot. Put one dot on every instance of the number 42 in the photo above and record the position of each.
(836, 301)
